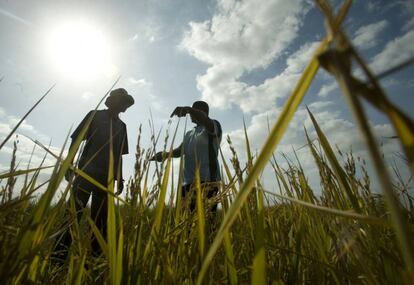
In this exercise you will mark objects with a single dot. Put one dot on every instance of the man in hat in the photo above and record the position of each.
(200, 149)
(104, 130)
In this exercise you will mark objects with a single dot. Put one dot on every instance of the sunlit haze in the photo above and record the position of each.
(78, 49)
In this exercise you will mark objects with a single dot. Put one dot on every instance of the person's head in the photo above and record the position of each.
(119, 100)
(202, 106)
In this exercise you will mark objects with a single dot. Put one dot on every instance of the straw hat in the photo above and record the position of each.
(119, 97)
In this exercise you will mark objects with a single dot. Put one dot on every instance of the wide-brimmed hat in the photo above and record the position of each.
(119, 97)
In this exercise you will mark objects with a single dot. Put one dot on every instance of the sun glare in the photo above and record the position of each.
(78, 50)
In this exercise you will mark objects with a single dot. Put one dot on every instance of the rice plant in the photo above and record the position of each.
(348, 234)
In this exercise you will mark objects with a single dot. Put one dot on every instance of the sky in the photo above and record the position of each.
(242, 57)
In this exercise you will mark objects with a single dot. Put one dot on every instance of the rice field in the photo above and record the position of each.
(348, 234)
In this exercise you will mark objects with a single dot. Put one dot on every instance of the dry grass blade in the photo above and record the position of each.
(336, 212)
(200, 213)
(22, 172)
(395, 68)
(387, 189)
(339, 65)
(339, 172)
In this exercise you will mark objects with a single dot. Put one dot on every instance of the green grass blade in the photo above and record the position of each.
(111, 219)
(161, 200)
(119, 258)
(80, 270)
(259, 260)
(200, 213)
(231, 268)
(98, 235)
(248, 150)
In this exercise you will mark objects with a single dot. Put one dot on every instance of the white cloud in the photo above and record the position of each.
(221, 89)
(320, 105)
(142, 82)
(88, 95)
(134, 38)
(372, 6)
(339, 131)
(327, 88)
(409, 24)
(150, 31)
(367, 36)
(389, 82)
(4, 130)
(408, 6)
(395, 52)
(24, 128)
(25, 145)
(240, 37)
(26, 152)
(246, 35)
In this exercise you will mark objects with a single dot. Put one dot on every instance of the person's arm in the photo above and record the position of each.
(74, 137)
(198, 115)
(162, 155)
(119, 174)
(119, 178)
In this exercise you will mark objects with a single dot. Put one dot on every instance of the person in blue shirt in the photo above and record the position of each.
(200, 149)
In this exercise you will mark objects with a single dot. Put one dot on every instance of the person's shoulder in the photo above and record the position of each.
(216, 122)
(122, 124)
(217, 126)
(189, 133)
(96, 113)
(103, 112)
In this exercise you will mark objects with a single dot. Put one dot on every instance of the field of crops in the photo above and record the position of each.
(346, 235)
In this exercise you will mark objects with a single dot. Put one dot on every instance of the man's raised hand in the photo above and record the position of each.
(180, 111)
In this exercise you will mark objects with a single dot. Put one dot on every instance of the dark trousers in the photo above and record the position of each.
(82, 190)
(188, 193)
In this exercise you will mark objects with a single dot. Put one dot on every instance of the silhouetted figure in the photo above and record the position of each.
(200, 150)
(94, 161)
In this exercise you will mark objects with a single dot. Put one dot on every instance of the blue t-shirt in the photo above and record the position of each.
(196, 153)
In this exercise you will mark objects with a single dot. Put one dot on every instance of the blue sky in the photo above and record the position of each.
(242, 57)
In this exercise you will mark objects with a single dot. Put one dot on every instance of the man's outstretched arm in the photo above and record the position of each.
(162, 155)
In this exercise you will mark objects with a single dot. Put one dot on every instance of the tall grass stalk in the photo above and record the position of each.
(342, 232)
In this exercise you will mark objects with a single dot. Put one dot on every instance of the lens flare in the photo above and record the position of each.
(78, 50)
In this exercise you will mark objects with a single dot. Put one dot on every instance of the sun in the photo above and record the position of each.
(78, 49)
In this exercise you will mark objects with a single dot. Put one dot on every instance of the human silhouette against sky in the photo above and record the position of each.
(200, 149)
(94, 161)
